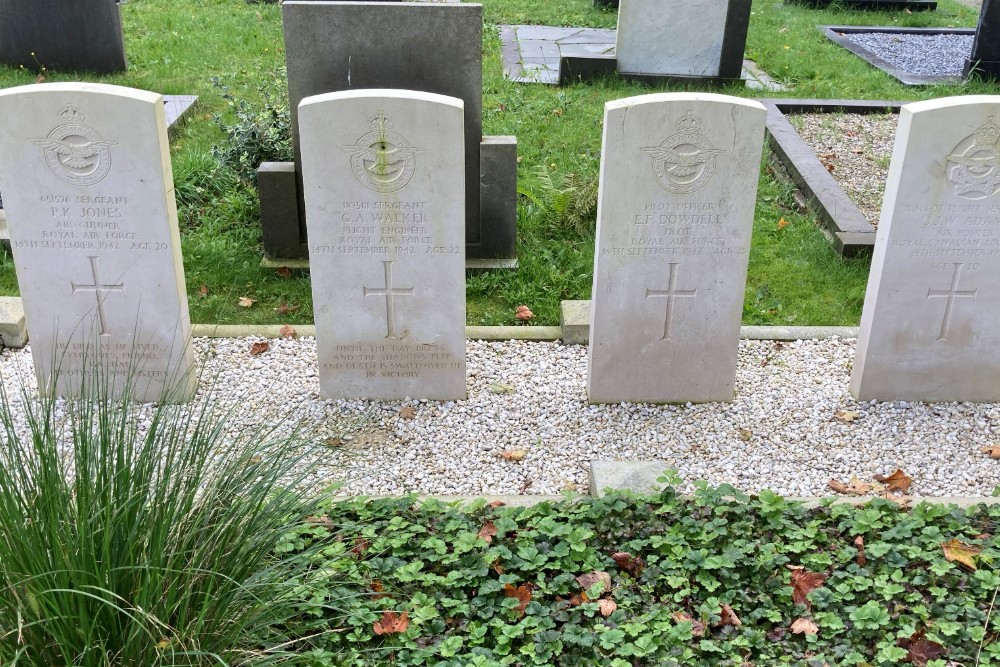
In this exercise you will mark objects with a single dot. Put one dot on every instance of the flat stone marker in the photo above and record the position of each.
(88, 192)
(383, 174)
(929, 328)
(675, 210)
(682, 38)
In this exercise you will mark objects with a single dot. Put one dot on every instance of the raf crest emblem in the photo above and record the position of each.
(381, 159)
(76, 152)
(974, 166)
(684, 162)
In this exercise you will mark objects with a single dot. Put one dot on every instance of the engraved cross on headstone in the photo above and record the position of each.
(670, 293)
(100, 291)
(389, 292)
(951, 294)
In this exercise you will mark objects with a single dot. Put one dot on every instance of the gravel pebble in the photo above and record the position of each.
(932, 55)
(781, 431)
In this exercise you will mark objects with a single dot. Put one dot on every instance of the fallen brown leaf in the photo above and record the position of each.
(283, 308)
(854, 487)
(259, 347)
(287, 331)
(521, 593)
(407, 412)
(496, 503)
(246, 301)
(203, 291)
(803, 582)
(361, 545)
(920, 650)
(803, 626)
(606, 607)
(859, 544)
(629, 563)
(283, 272)
(697, 627)
(847, 416)
(728, 617)
(745, 434)
(782, 223)
(589, 580)
(523, 313)
(487, 532)
(992, 450)
(897, 481)
(513, 454)
(959, 552)
(392, 623)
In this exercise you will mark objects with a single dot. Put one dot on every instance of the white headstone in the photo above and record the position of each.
(675, 213)
(671, 37)
(930, 328)
(383, 175)
(89, 195)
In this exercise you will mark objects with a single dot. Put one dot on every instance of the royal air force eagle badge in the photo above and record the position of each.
(381, 159)
(74, 151)
(684, 162)
(974, 166)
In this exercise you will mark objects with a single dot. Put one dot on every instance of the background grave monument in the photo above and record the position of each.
(383, 174)
(703, 39)
(85, 172)
(985, 58)
(62, 35)
(929, 325)
(386, 45)
(675, 212)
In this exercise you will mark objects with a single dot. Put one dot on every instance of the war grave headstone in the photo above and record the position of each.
(85, 171)
(681, 38)
(389, 45)
(384, 178)
(62, 35)
(928, 327)
(678, 186)
(985, 58)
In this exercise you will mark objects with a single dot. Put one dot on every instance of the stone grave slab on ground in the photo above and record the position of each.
(62, 35)
(339, 46)
(384, 183)
(675, 212)
(985, 57)
(93, 223)
(914, 56)
(929, 325)
(558, 56)
(701, 39)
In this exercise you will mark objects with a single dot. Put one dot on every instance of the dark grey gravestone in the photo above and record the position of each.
(62, 35)
(606, 3)
(985, 58)
(431, 46)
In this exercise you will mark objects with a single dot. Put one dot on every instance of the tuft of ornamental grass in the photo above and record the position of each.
(136, 540)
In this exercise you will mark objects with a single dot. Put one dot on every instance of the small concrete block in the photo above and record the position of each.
(574, 318)
(12, 330)
(279, 209)
(637, 476)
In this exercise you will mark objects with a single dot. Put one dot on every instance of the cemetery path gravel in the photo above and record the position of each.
(791, 428)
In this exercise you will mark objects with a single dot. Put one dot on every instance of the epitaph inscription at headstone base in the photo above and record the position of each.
(675, 212)
(88, 191)
(929, 328)
(384, 176)
(62, 35)
(682, 38)
(434, 47)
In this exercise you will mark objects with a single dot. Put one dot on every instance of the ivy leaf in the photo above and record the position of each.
(697, 627)
(959, 552)
(803, 626)
(920, 650)
(259, 347)
(487, 532)
(897, 481)
(859, 544)
(804, 582)
(591, 579)
(392, 623)
(728, 617)
(521, 593)
(606, 607)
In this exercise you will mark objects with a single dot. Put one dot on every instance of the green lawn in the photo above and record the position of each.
(180, 46)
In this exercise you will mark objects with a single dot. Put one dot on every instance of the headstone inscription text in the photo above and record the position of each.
(929, 325)
(89, 199)
(675, 211)
(383, 172)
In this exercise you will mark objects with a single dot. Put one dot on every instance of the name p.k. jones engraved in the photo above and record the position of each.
(684, 162)
(382, 160)
(75, 152)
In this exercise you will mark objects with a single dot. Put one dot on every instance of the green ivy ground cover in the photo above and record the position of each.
(710, 579)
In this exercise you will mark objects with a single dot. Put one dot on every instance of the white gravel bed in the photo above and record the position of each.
(856, 149)
(781, 432)
(933, 55)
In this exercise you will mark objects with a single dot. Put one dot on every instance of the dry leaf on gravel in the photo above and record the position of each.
(407, 412)
(959, 552)
(513, 454)
(993, 451)
(897, 481)
(246, 302)
(259, 347)
(745, 434)
(854, 487)
(803, 626)
(847, 416)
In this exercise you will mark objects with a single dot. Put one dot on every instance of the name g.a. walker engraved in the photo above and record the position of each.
(684, 162)
(974, 166)
(382, 160)
(75, 152)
